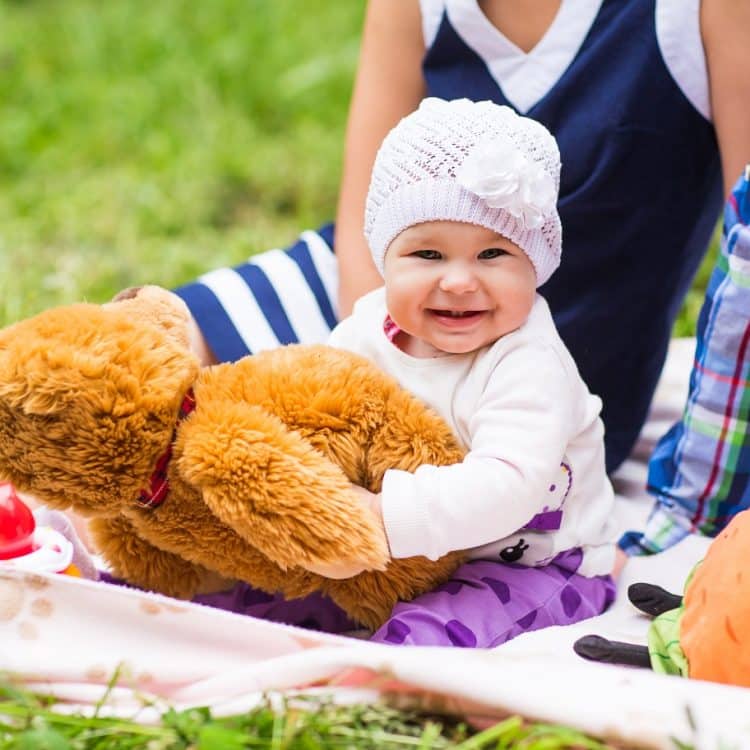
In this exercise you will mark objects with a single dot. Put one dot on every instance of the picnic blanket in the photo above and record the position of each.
(69, 636)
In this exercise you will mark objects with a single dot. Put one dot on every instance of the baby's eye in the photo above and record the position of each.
(427, 254)
(492, 252)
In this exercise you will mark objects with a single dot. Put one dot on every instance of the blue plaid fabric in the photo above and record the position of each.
(700, 470)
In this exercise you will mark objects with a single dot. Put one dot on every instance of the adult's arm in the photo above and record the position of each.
(388, 85)
(725, 29)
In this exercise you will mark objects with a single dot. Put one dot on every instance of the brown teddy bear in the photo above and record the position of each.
(195, 478)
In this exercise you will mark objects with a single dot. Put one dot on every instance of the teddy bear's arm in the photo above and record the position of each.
(274, 489)
(139, 562)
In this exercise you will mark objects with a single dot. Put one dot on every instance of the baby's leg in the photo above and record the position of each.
(487, 603)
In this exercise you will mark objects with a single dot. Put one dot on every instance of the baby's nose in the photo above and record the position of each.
(458, 280)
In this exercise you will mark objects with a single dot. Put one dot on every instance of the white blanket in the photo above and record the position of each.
(68, 636)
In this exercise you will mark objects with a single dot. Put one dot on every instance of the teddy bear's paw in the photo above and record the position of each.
(370, 596)
(329, 544)
(341, 570)
(360, 552)
(272, 488)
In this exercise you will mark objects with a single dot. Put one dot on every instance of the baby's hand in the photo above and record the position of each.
(351, 568)
(620, 559)
(368, 499)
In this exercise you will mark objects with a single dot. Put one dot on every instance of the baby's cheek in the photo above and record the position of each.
(400, 299)
(520, 298)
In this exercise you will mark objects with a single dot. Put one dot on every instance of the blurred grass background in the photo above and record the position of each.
(151, 141)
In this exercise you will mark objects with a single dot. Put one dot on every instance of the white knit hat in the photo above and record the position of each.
(476, 162)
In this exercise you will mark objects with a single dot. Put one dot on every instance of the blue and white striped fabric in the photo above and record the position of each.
(700, 470)
(278, 297)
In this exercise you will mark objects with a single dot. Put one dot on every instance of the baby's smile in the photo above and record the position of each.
(455, 318)
(457, 313)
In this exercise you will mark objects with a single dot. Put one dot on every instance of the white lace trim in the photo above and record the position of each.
(525, 78)
(679, 35)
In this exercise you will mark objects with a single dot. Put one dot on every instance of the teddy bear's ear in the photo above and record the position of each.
(156, 306)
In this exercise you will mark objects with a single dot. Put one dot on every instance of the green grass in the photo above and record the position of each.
(686, 320)
(149, 141)
(27, 722)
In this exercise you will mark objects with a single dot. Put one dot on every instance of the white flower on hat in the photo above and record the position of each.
(500, 173)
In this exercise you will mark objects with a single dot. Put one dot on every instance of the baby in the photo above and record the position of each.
(462, 223)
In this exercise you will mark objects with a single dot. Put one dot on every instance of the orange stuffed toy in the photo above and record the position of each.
(704, 634)
(715, 625)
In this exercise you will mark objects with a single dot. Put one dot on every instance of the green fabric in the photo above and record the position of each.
(667, 656)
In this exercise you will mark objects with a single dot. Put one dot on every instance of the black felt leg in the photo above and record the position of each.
(596, 648)
(653, 599)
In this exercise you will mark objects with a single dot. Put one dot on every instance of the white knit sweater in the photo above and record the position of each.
(534, 441)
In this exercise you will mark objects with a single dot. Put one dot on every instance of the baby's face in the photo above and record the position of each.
(453, 287)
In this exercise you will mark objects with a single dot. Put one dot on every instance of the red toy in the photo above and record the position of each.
(24, 545)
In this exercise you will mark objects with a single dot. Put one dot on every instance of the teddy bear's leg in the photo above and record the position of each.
(139, 562)
(274, 489)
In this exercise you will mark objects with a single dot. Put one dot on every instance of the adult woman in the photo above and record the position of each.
(646, 121)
